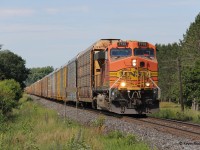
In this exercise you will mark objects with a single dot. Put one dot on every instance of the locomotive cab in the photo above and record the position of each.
(128, 76)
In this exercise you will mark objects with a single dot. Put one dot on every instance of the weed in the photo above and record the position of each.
(130, 139)
(115, 134)
(116, 140)
(182, 116)
(34, 127)
(1, 141)
(173, 111)
(77, 142)
(29, 99)
(99, 122)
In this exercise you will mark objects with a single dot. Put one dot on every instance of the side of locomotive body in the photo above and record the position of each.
(113, 75)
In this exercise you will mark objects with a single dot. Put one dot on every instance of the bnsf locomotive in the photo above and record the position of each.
(113, 75)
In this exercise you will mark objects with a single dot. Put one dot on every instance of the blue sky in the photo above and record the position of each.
(51, 32)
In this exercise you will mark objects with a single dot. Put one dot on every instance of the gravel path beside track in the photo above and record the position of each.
(152, 136)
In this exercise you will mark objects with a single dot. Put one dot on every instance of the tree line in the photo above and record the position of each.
(188, 51)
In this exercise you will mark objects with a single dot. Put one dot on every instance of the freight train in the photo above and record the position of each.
(112, 75)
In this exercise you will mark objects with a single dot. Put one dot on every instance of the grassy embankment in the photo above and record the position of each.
(35, 127)
(171, 110)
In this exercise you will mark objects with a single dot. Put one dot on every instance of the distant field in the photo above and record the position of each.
(171, 110)
(35, 127)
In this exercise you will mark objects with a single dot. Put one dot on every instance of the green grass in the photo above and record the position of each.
(116, 140)
(171, 110)
(32, 126)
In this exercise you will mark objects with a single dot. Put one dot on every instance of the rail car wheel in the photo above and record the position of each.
(122, 109)
(94, 103)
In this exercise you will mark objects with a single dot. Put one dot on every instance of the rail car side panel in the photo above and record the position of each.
(72, 82)
(38, 88)
(49, 86)
(61, 83)
(84, 76)
(53, 85)
(44, 86)
(64, 83)
(58, 84)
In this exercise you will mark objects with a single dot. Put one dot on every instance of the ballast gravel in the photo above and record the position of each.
(153, 137)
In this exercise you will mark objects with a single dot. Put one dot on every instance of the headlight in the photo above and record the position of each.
(113, 93)
(134, 62)
(123, 84)
(147, 84)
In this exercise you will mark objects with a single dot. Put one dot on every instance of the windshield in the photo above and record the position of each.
(120, 52)
(144, 52)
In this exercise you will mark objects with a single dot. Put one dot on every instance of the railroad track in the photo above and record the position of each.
(181, 124)
(174, 127)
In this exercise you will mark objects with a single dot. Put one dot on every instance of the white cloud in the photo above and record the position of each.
(23, 12)
(41, 31)
(15, 12)
(74, 9)
(12, 28)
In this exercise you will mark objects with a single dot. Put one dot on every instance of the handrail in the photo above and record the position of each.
(159, 89)
(123, 73)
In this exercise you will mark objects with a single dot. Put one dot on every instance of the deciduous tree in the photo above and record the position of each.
(37, 74)
(12, 66)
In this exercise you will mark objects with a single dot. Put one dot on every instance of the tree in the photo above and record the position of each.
(12, 66)
(188, 50)
(192, 87)
(37, 74)
(191, 40)
(167, 56)
(10, 93)
(191, 49)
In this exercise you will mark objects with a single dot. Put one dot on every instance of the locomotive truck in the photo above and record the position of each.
(112, 75)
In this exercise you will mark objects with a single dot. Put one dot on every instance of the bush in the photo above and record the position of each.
(10, 93)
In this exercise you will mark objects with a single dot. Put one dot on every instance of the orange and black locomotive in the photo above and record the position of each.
(113, 75)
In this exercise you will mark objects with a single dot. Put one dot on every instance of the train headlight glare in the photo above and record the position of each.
(113, 93)
(134, 62)
(147, 84)
(123, 84)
